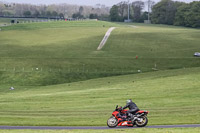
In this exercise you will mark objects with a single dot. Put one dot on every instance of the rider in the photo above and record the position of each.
(132, 107)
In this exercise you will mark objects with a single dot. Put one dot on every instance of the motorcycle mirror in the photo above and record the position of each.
(116, 106)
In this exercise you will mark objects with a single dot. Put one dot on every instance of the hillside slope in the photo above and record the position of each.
(171, 96)
(60, 52)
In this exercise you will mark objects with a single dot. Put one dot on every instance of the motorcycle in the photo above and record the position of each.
(119, 118)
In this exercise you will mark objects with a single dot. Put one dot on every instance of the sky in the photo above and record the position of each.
(78, 2)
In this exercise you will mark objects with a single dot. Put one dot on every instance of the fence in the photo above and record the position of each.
(50, 76)
(68, 70)
(16, 21)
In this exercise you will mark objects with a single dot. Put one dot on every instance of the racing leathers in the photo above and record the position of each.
(132, 108)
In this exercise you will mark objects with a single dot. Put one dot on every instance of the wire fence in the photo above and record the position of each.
(50, 76)
(69, 70)
(16, 21)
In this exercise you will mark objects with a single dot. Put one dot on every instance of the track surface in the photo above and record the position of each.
(98, 128)
(103, 42)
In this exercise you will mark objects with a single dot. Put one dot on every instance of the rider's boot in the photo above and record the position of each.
(130, 116)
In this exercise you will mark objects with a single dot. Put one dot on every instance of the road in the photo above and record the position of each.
(103, 42)
(93, 127)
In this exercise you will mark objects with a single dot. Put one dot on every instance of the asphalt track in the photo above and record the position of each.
(93, 127)
(103, 42)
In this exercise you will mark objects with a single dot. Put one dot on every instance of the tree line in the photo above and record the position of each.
(119, 12)
(54, 11)
(164, 12)
(176, 13)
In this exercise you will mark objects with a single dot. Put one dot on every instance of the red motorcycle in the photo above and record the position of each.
(119, 118)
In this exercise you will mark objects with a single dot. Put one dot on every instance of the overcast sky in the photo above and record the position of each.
(77, 2)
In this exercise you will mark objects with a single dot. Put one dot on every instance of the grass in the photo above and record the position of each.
(171, 96)
(67, 51)
(174, 130)
(62, 47)
(60, 77)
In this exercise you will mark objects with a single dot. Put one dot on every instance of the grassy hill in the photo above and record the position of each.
(171, 96)
(60, 52)
(60, 77)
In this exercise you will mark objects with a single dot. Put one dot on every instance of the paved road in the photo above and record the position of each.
(70, 128)
(103, 42)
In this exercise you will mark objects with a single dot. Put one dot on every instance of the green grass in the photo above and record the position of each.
(61, 48)
(67, 86)
(67, 51)
(171, 96)
(174, 130)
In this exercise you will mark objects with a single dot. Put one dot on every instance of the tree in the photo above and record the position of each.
(123, 9)
(81, 10)
(54, 14)
(36, 14)
(180, 14)
(53, 10)
(8, 13)
(137, 9)
(2, 7)
(61, 15)
(77, 16)
(164, 12)
(93, 16)
(43, 14)
(143, 17)
(48, 14)
(114, 15)
(27, 13)
(192, 16)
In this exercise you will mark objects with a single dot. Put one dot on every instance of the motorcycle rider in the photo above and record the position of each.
(132, 108)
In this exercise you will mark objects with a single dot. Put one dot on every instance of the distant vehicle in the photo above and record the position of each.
(197, 54)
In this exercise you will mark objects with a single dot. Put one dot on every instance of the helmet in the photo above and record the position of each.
(128, 101)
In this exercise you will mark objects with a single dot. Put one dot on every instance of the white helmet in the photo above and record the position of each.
(128, 101)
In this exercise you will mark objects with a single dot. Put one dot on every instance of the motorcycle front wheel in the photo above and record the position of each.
(141, 121)
(112, 122)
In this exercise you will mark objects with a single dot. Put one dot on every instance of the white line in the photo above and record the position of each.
(103, 42)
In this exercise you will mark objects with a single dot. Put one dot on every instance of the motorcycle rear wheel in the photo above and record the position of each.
(112, 122)
(142, 122)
